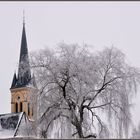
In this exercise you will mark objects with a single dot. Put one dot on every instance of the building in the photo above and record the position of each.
(23, 98)
(23, 88)
(11, 124)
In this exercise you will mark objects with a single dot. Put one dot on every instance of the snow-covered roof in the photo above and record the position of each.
(9, 124)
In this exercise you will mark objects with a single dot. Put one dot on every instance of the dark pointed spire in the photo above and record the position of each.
(14, 81)
(24, 72)
(23, 49)
(23, 77)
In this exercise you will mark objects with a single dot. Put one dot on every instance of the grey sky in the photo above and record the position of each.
(48, 23)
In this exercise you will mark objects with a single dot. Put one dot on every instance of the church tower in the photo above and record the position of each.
(23, 88)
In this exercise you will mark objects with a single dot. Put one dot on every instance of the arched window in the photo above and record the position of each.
(16, 107)
(20, 106)
(28, 109)
(32, 112)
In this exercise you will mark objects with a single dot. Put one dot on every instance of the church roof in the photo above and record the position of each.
(14, 80)
(9, 124)
(23, 77)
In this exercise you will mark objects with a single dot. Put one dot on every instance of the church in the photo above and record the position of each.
(23, 95)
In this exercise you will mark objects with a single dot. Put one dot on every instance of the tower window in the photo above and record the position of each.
(32, 111)
(28, 109)
(16, 107)
(20, 106)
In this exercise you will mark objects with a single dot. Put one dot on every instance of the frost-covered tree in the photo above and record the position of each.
(90, 93)
(136, 132)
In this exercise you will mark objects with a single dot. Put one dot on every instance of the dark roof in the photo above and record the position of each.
(10, 122)
(23, 77)
(14, 80)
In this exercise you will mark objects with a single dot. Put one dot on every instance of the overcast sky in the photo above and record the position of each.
(99, 24)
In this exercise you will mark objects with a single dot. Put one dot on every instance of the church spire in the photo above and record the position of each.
(24, 48)
(23, 78)
(23, 84)
(24, 72)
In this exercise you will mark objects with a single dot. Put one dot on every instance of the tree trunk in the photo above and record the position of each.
(79, 130)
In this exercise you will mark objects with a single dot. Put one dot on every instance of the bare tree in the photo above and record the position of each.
(136, 132)
(85, 88)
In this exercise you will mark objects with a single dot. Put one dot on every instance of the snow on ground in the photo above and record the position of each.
(6, 133)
